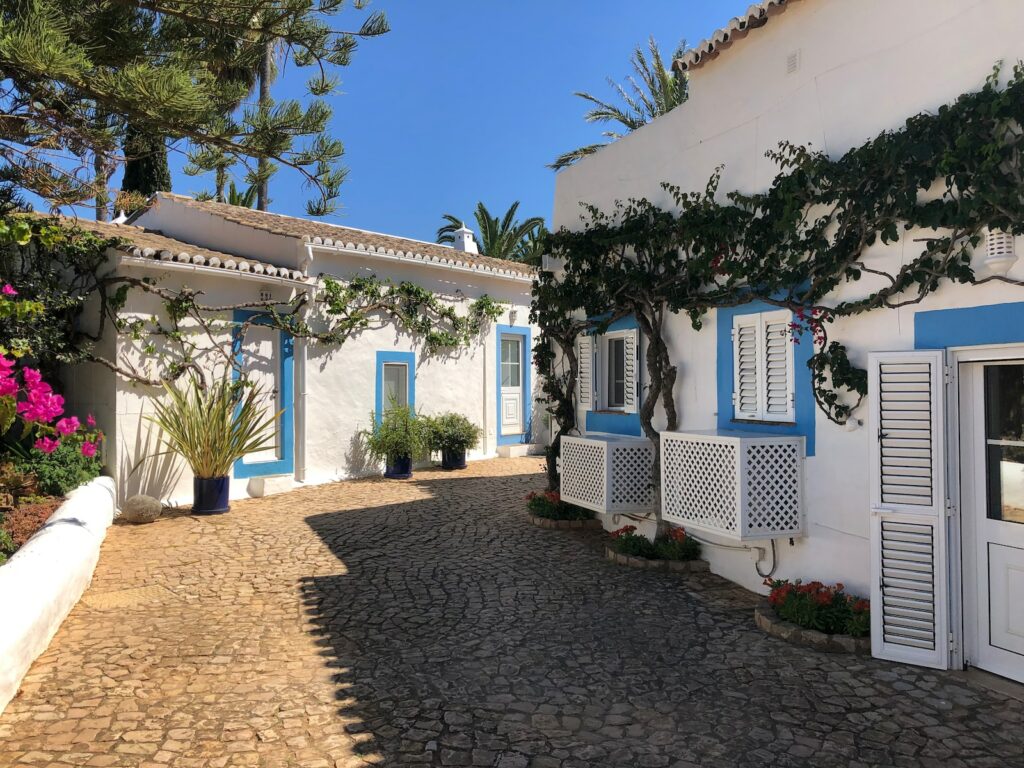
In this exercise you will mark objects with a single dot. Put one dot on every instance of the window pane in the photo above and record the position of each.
(396, 385)
(510, 362)
(616, 373)
(1004, 438)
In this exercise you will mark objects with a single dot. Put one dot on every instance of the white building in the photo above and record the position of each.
(327, 392)
(942, 561)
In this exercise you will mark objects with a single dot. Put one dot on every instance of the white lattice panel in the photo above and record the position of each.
(607, 473)
(584, 473)
(742, 486)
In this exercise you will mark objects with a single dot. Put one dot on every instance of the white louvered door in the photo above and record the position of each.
(585, 376)
(909, 603)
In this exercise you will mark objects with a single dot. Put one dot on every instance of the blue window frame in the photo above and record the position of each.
(804, 406)
(524, 437)
(614, 422)
(285, 463)
(384, 358)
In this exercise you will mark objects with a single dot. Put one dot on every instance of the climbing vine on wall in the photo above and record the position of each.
(935, 185)
(67, 268)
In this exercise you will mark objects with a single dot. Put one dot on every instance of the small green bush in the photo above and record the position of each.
(62, 471)
(451, 432)
(398, 434)
(674, 545)
(550, 506)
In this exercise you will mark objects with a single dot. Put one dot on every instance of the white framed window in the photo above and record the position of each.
(612, 358)
(396, 385)
(763, 377)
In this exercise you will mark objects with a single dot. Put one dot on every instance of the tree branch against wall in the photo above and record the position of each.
(951, 174)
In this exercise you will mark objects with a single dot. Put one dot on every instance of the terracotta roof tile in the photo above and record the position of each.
(319, 232)
(152, 244)
(755, 17)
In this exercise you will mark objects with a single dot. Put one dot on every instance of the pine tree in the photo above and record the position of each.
(173, 68)
(145, 169)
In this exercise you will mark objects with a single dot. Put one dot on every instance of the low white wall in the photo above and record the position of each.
(44, 579)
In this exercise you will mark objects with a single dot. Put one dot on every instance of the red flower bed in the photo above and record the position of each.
(819, 606)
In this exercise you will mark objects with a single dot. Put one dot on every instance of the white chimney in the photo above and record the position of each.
(464, 240)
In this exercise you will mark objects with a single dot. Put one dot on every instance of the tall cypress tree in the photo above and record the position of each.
(145, 170)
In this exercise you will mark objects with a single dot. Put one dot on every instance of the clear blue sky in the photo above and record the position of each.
(468, 100)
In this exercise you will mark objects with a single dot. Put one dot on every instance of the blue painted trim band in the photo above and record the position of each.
(406, 358)
(285, 464)
(969, 326)
(613, 423)
(514, 330)
(805, 408)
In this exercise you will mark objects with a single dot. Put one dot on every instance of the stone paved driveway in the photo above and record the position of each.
(428, 623)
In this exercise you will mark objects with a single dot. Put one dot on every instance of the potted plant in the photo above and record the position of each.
(398, 438)
(211, 427)
(452, 434)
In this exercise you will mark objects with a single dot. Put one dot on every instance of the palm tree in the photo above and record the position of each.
(504, 238)
(652, 92)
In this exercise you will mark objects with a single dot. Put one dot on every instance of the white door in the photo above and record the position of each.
(992, 468)
(511, 385)
(261, 359)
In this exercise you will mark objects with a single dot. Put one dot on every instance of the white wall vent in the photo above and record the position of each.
(1000, 252)
(739, 485)
(793, 62)
(607, 473)
(265, 295)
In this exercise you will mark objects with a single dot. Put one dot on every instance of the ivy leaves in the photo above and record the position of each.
(949, 174)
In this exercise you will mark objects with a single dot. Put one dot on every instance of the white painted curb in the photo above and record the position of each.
(44, 579)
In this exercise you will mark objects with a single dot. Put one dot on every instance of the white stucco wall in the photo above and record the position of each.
(334, 393)
(866, 65)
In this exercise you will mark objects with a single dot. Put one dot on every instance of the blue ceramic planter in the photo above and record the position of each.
(398, 468)
(210, 495)
(453, 459)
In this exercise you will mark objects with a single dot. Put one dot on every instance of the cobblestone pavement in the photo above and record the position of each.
(428, 623)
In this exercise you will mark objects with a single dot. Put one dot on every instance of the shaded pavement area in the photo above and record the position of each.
(427, 623)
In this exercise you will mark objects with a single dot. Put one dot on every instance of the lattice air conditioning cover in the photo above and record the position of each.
(742, 486)
(608, 473)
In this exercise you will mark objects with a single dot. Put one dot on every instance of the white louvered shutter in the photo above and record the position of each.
(778, 395)
(585, 376)
(746, 351)
(632, 352)
(909, 610)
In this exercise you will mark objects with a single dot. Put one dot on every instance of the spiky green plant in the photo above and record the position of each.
(500, 238)
(212, 426)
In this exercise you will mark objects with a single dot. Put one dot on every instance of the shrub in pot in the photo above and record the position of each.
(211, 427)
(398, 438)
(452, 434)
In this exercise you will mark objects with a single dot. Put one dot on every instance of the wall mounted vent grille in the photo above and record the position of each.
(607, 473)
(741, 486)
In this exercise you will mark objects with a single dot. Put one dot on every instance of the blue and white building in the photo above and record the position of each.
(919, 501)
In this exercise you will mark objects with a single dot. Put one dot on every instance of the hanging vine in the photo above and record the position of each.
(66, 268)
(950, 175)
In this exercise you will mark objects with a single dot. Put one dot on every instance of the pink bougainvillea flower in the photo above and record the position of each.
(6, 366)
(47, 444)
(33, 378)
(90, 421)
(88, 449)
(68, 426)
(8, 290)
(8, 387)
(42, 405)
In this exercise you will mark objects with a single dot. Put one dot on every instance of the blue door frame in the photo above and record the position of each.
(511, 330)
(285, 464)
